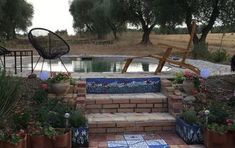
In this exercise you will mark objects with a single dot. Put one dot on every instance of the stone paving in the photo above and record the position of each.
(215, 69)
(101, 141)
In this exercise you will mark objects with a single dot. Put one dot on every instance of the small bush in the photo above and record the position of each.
(219, 56)
(40, 96)
(200, 51)
(189, 116)
(78, 119)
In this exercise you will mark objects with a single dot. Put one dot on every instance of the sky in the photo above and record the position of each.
(52, 14)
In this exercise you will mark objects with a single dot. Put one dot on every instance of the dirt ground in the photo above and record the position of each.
(128, 44)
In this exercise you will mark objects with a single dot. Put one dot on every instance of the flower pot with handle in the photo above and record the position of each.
(188, 86)
(60, 88)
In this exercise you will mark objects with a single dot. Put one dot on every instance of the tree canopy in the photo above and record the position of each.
(99, 17)
(207, 12)
(15, 15)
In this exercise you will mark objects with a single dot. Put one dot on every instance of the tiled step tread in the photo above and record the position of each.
(107, 123)
(131, 117)
(126, 96)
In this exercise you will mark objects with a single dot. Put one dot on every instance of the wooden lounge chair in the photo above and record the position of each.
(166, 56)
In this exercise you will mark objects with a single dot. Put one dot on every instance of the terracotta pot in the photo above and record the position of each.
(231, 139)
(11, 145)
(20, 144)
(188, 86)
(62, 141)
(60, 88)
(218, 138)
(37, 141)
(215, 140)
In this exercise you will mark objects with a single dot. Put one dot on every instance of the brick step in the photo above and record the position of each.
(126, 103)
(107, 123)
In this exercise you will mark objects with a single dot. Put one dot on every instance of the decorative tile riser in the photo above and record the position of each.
(125, 106)
(122, 85)
(131, 127)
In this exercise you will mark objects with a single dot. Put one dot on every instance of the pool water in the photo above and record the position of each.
(98, 64)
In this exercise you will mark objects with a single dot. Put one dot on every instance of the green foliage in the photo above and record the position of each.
(207, 13)
(10, 94)
(60, 77)
(231, 102)
(78, 119)
(219, 112)
(99, 17)
(8, 136)
(16, 14)
(52, 112)
(219, 56)
(179, 78)
(217, 128)
(200, 51)
(40, 96)
(21, 121)
(49, 131)
(40, 128)
(169, 14)
(189, 116)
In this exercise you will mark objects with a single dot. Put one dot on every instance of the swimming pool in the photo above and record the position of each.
(99, 64)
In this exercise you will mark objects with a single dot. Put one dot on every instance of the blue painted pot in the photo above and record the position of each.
(80, 137)
(191, 134)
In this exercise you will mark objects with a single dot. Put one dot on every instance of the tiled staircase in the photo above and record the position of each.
(128, 113)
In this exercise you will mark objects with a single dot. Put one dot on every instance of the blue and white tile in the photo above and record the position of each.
(159, 143)
(133, 137)
(139, 144)
(117, 144)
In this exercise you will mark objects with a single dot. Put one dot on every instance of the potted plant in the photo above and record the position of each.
(11, 139)
(219, 128)
(59, 119)
(59, 83)
(188, 128)
(231, 132)
(41, 135)
(191, 82)
(79, 129)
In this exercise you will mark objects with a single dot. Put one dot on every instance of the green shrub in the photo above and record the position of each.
(189, 116)
(21, 121)
(40, 96)
(219, 56)
(78, 119)
(218, 128)
(179, 78)
(200, 51)
(219, 112)
(9, 94)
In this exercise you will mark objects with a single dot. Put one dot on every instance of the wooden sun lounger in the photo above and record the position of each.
(166, 56)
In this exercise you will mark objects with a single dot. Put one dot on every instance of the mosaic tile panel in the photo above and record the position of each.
(122, 85)
(138, 141)
(117, 144)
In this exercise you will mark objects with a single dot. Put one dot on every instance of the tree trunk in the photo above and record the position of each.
(145, 38)
(115, 34)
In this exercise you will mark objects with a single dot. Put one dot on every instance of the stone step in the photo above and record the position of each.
(126, 103)
(108, 123)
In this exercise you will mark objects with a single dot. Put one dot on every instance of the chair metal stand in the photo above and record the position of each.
(49, 45)
(49, 64)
